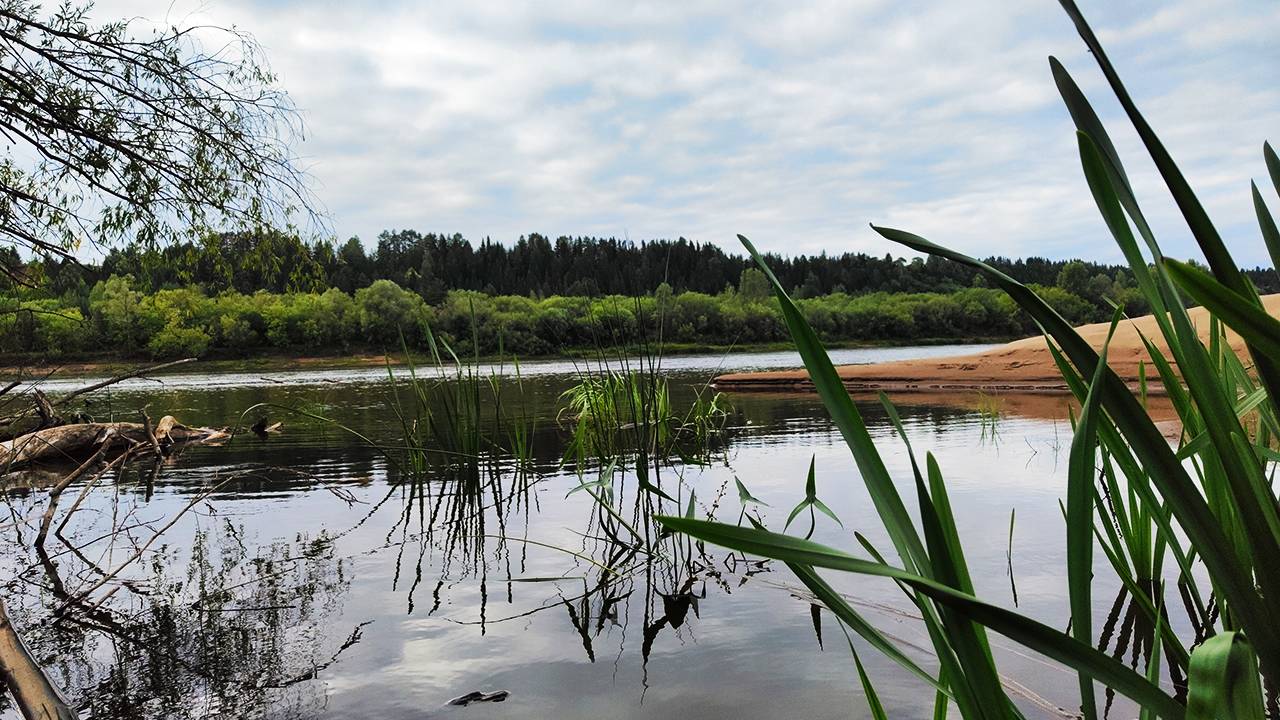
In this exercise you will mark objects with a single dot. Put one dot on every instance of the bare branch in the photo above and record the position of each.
(116, 133)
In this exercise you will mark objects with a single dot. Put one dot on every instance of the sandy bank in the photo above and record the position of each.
(1022, 366)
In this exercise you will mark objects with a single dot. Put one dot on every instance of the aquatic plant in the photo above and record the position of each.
(458, 415)
(989, 408)
(610, 412)
(1201, 515)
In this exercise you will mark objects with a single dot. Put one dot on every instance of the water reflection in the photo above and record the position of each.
(324, 577)
(211, 629)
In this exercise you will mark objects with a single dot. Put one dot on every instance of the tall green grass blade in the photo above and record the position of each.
(967, 639)
(1037, 636)
(963, 654)
(1153, 663)
(873, 699)
(1222, 557)
(1008, 557)
(1087, 123)
(1270, 233)
(940, 700)
(1253, 323)
(856, 622)
(1080, 471)
(884, 494)
(1113, 196)
(1273, 164)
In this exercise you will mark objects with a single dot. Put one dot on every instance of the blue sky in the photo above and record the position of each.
(796, 124)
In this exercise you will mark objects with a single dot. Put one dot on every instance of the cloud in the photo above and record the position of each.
(794, 124)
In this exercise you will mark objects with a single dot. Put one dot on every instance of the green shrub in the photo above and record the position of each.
(175, 341)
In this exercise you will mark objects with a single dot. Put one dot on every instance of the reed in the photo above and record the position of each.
(621, 409)
(612, 413)
(458, 416)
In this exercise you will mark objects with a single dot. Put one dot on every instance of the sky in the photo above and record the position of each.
(794, 123)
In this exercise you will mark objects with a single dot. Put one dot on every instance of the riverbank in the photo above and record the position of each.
(30, 367)
(1021, 366)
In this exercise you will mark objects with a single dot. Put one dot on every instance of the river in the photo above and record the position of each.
(313, 580)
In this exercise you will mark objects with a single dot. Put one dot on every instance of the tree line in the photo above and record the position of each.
(433, 264)
(238, 295)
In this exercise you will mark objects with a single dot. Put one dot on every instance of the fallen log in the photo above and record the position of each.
(18, 423)
(66, 443)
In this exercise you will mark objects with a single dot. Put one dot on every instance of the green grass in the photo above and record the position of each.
(1200, 516)
(613, 413)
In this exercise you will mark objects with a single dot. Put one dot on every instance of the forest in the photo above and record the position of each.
(237, 295)
(432, 264)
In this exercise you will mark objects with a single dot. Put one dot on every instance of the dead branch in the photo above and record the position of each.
(151, 434)
(56, 492)
(140, 372)
(48, 416)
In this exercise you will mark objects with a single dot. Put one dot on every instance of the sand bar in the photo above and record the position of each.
(1022, 366)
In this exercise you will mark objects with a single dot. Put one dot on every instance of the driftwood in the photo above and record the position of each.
(41, 412)
(140, 372)
(69, 442)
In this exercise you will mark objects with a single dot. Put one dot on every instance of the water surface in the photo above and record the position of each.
(318, 581)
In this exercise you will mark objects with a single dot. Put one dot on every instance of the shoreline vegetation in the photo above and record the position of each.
(236, 296)
(117, 321)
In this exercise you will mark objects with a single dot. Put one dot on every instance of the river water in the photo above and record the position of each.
(314, 578)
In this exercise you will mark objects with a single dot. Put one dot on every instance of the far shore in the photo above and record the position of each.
(29, 368)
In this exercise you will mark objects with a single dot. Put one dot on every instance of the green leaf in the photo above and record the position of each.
(1223, 680)
(822, 507)
(799, 508)
(745, 496)
(649, 487)
(884, 494)
(811, 499)
(810, 483)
